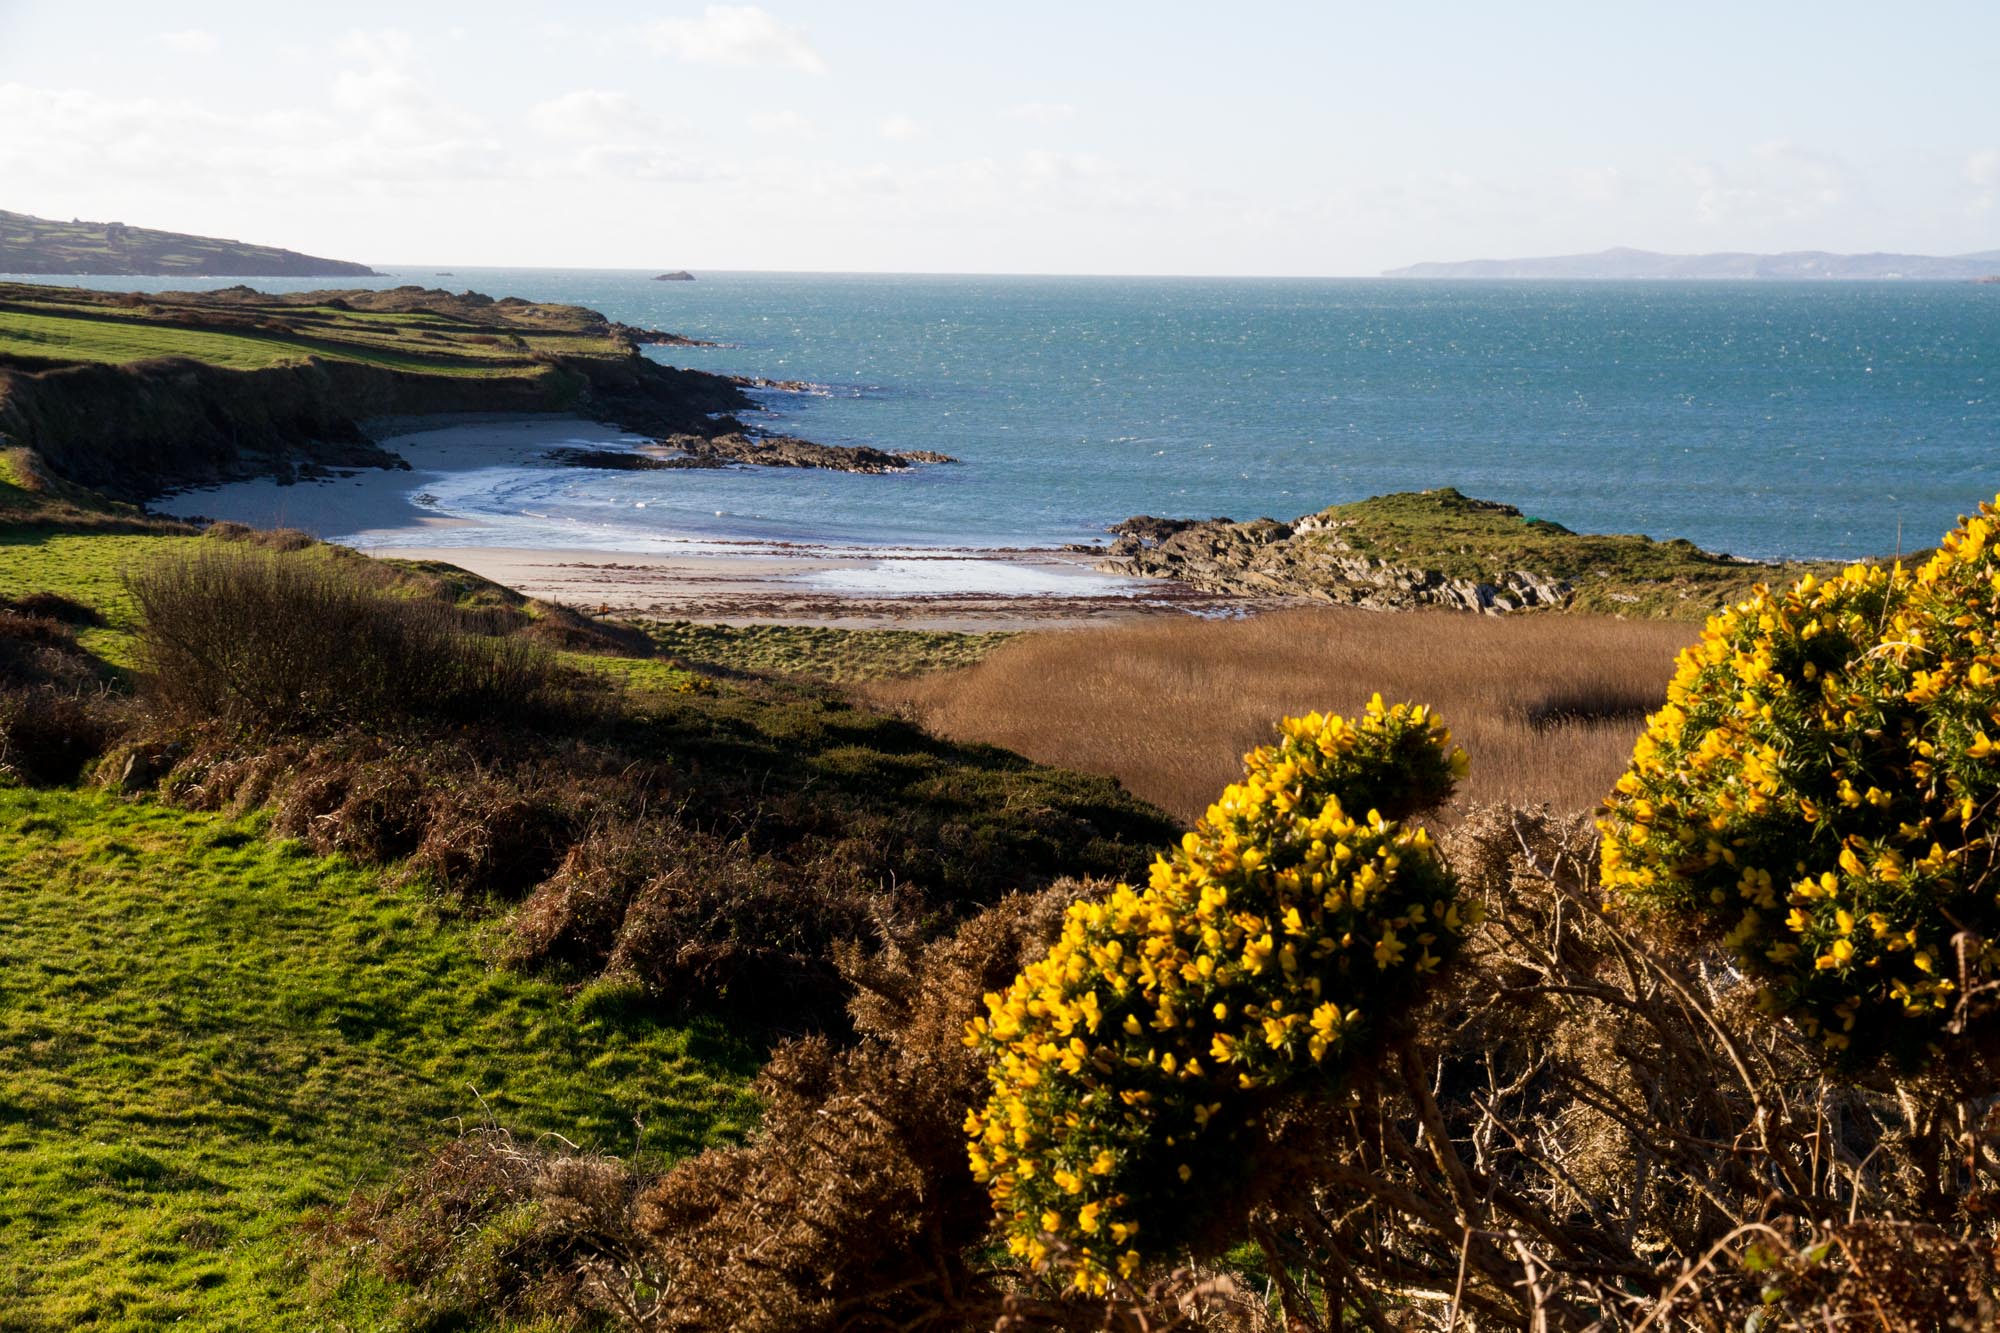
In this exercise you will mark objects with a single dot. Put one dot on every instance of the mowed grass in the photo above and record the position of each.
(1547, 707)
(822, 652)
(205, 1034)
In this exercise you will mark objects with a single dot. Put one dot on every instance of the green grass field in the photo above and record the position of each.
(205, 1034)
(66, 325)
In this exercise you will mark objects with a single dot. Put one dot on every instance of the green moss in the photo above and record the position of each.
(820, 652)
(205, 1034)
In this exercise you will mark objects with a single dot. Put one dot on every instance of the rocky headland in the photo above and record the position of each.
(1435, 548)
(239, 384)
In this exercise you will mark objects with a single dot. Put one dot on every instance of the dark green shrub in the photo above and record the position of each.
(287, 642)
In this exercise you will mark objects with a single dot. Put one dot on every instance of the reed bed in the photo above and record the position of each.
(1546, 706)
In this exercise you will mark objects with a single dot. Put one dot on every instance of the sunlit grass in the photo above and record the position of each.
(205, 1033)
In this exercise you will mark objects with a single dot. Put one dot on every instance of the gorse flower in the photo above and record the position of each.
(1820, 786)
(1265, 953)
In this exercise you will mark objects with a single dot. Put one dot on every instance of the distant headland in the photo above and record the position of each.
(41, 245)
(1793, 265)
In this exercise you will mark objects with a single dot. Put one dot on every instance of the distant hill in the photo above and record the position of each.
(1793, 265)
(38, 245)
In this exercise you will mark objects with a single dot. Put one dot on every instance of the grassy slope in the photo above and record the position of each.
(203, 1034)
(56, 324)
(1628, 575)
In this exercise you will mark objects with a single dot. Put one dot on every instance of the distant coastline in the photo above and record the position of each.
(1622, 263)
(32, 245)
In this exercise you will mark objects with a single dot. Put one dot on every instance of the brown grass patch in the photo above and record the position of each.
(1546, 706)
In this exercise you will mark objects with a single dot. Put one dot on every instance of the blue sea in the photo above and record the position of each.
(1764, 419)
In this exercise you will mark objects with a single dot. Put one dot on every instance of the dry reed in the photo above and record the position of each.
(1546, 706)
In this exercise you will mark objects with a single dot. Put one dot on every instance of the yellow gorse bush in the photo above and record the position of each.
(1821, 785)
(1128, 1064)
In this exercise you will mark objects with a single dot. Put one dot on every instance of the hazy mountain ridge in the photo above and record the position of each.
(41, 245)
(1622, 262)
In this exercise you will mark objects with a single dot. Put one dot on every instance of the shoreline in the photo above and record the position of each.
(719, 579)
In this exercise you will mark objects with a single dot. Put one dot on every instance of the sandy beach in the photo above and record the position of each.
(393, 513)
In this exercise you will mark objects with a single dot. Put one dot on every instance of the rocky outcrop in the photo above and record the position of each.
(678, 275)
(789, 451)
(1308, 559)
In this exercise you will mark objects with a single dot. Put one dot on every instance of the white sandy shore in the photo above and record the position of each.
(385, 512)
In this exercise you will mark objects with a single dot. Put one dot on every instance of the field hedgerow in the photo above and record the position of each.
(1821, 783)
(1129, 1065)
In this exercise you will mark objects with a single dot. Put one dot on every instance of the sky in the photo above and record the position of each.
(1031, 136)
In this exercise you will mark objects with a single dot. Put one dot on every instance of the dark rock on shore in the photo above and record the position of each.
(784, 386)
(789, 451)
(696, 451)
(612, 460)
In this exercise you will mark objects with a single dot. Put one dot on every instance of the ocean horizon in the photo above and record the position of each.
(1766, 419)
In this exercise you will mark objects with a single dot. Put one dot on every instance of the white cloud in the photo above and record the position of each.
(1042, 113)
(737, 35)
(789, 124)
(190, 42)
(63, 138)
(1982, 173)
(380, 46)
(587, 114)
(1597, 185)
(1782, 182)
(901, 129)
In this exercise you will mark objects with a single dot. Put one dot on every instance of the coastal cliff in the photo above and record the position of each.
(247, 385)
(135, 431)
(1435, 548)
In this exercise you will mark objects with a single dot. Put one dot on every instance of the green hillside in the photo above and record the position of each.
(42, 245)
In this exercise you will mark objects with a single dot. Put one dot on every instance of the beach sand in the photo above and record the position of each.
(382, 512)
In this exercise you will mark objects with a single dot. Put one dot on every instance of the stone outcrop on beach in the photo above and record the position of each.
(736, 447)
(1266, 558)
(1433, 548)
